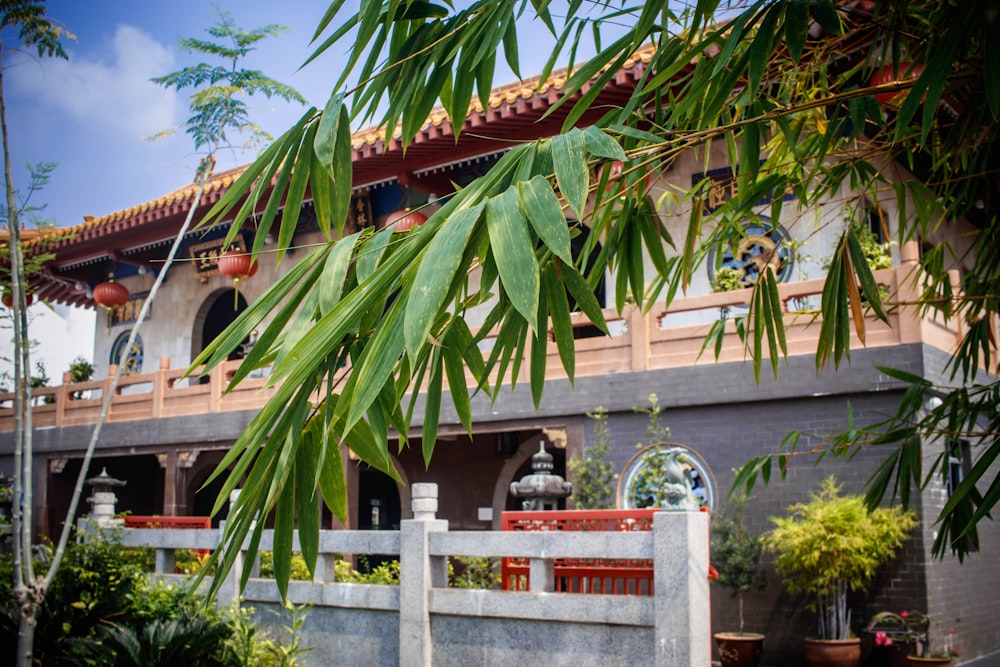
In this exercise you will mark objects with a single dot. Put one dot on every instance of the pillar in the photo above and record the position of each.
(683, 609)
(418, 573)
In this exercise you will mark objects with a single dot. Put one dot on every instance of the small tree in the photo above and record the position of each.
(650, 483)
(80, 370)
(736, 553)
(832, 545)
(593, 477)
(217, 106)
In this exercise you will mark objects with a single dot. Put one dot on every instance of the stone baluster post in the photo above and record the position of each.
(683, 609)
(418, 573)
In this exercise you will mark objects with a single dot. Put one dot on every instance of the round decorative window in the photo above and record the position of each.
(130, 358)
(761, 243)
(646, 478)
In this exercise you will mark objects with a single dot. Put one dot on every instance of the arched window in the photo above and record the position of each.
(131, 358)
(644, 481)
(761, 243)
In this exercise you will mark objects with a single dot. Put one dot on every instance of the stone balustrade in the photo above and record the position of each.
(422, 622)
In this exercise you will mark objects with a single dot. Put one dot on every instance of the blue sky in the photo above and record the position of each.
(90, 114)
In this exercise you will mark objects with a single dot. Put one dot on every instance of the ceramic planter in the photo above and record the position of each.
(739, 649)
(833, 652)
(914, 661)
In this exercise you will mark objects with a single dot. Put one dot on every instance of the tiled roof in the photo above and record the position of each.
(512, 112)
(507, 95)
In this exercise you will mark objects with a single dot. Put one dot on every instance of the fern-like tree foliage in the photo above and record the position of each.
(593, 475)
(781, 87)
(218, 103)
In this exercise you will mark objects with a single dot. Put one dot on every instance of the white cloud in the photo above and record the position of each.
(115, 94)
(60, 335)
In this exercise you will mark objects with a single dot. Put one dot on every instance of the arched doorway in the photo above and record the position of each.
(217, 312)
(379, 506)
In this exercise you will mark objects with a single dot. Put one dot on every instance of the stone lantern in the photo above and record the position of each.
(103, 499)
(541, 489)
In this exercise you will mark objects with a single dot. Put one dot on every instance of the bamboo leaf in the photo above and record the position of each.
(584, 296)
(435, 275)
(539, 351)
(562, 326)
(796, 27)
(293, 198)
(569, 156)
(338, 262)
(853, 295)
(332, 483)
(452, 355)
(332, 148)
(514, 252)
(307, 510)
(432, 411)
(600, 144)
(541, 207)
(284, 525)
(861, 268)
(374, 367)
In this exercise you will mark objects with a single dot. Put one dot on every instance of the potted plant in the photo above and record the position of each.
(727, 279)
(923, 655)
(827, 547)
(736, 555)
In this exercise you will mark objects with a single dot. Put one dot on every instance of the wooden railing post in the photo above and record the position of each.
(160, 387)
(107, 390)
(62, 395)
(216, 383)
(638, 327)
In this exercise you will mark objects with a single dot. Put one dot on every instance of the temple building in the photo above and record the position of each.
(167, 432)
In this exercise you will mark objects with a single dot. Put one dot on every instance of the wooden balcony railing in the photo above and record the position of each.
(663, 338)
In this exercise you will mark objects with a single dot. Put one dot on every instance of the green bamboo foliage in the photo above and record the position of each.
(791, 111)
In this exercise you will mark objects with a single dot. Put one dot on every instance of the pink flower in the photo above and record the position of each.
(882, 639)
(904, 614)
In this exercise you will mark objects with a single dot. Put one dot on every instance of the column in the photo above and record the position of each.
(683, 610)
(418, 573)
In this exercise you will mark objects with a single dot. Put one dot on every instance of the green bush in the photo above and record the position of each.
(473, 572)
(832, 545)
(299, 570)
(95, 585)
(103, 608)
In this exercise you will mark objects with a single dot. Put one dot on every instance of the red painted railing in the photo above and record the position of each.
(583, 575)
(167, 522)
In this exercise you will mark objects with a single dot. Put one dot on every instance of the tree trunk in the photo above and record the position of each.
(26, 635)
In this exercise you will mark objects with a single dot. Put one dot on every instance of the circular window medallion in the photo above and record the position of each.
(762, 243)
(646, 478)
(131, 359)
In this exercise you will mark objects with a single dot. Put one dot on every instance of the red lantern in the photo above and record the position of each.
(110, 294)
(892, 73)
(237, 264)
(8, 298)
(405, 219)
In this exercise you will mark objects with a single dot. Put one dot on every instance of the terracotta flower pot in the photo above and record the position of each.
(739, 650)
(833, 652)
(914, 661)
